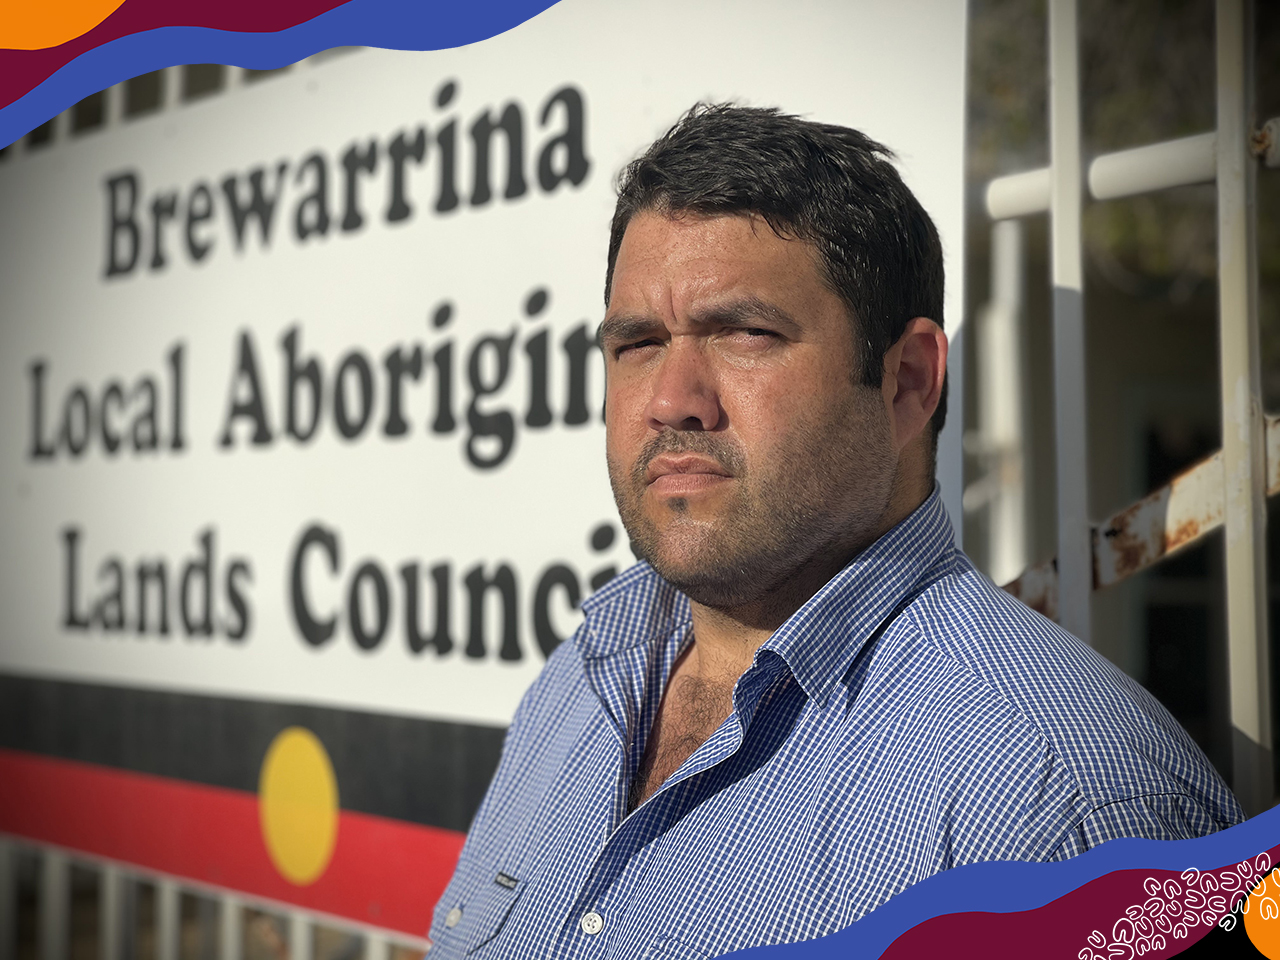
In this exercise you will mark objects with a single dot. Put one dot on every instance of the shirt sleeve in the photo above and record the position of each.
(1159, 816)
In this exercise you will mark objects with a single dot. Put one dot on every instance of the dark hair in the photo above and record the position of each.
(829, 185)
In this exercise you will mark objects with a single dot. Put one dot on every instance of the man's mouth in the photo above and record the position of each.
(681, 474)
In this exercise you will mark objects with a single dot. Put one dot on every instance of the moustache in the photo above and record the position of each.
(721, 449)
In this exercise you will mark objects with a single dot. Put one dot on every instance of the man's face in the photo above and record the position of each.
(741, 451)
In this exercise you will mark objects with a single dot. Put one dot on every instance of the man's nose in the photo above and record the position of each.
(684, 389)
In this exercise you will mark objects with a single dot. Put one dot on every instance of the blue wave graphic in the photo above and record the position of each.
(391, 24)
(1007, 887)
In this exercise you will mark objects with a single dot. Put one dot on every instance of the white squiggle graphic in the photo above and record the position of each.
(1263, 897)
(1173, 908)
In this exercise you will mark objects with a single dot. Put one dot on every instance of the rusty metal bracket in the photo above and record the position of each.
(1162, 523)
(1038, 587)
(1265, 143)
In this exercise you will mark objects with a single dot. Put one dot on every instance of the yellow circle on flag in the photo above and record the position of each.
(298, 805)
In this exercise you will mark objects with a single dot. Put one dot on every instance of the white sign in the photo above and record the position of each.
(300, 394)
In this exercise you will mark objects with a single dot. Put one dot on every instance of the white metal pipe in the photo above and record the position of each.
(167, 920)
(113, 105)
(1018, 194)
(1001, 402)
(1075, 553)
(110, 913)
(1243, 441)
(1126, 173)
(376, 947)
(53, 915)
(299, 937)
(1158, 166)
(230, 929)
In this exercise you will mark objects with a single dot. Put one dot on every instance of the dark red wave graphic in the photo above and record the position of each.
(386, 873)
(1116, 915)
(23, 70)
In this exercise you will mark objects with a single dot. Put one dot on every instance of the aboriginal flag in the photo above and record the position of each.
(353, 814)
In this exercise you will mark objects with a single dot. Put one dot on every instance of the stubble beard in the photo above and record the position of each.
(818, 500)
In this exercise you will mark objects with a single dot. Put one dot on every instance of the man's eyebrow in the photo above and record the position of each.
(746, 312)
(739, 312)
(627, 327)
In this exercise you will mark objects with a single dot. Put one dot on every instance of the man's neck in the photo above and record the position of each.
(728, 638)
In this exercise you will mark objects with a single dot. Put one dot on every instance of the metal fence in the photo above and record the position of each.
(1229, 489)
(62, 905)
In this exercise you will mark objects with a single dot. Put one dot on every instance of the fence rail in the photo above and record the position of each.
(234, 925)
(1182, 512)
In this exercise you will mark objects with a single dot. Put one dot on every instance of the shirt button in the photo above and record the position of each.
(452, 917)
(592, 923)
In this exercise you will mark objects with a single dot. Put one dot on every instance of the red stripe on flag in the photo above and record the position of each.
(384, 872)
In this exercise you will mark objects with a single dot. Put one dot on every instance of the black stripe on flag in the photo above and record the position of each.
(432, 772)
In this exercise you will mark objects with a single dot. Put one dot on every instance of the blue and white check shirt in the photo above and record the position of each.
(909, 718)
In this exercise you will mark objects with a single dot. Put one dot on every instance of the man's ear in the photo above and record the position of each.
(914, 368)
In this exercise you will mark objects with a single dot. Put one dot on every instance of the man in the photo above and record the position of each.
(806, 699)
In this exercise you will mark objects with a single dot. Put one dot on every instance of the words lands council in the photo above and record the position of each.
(203, 596)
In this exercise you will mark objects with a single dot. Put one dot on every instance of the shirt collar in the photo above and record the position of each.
(820, 641)
(634, 608)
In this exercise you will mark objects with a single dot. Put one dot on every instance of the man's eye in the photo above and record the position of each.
(631, 347)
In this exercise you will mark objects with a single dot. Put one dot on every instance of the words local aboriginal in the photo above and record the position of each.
(451, 387)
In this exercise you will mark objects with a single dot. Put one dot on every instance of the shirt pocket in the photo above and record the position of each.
(480, 918)
(495, 902)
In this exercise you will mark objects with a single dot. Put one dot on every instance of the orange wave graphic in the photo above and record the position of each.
(35, 26)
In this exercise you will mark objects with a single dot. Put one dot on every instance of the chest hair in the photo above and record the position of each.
(691, 710)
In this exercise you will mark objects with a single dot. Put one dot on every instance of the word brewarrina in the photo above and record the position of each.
(169, 221)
